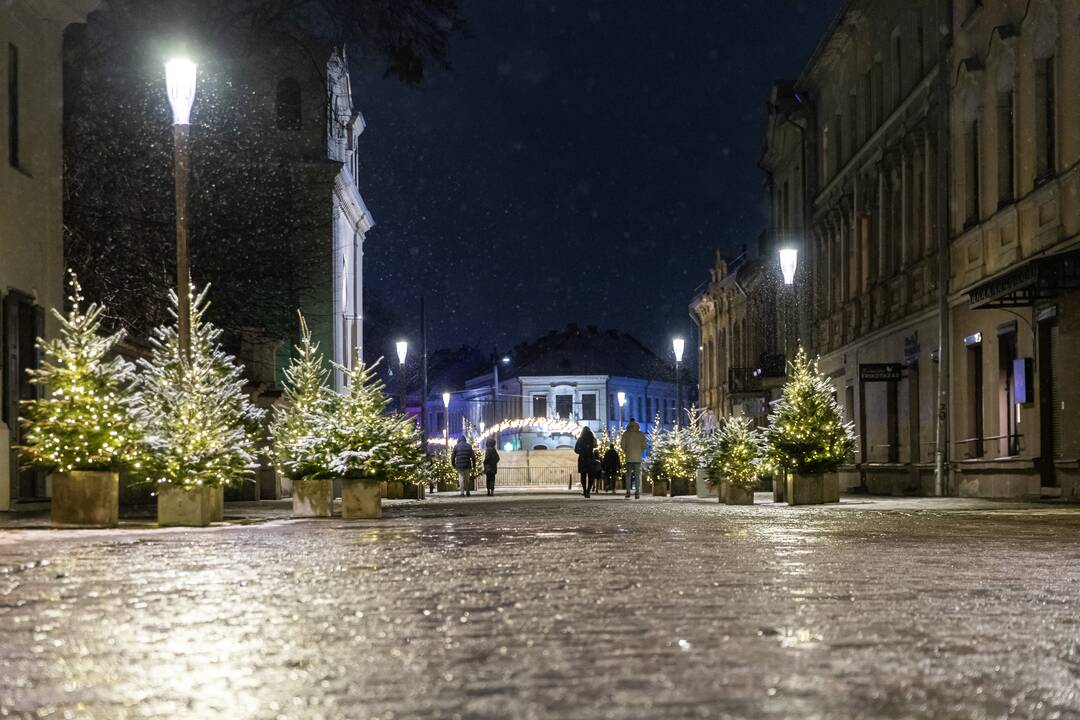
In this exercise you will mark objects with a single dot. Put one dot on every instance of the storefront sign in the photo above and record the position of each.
(880, 372)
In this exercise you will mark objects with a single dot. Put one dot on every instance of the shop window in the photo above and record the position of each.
(975, 396)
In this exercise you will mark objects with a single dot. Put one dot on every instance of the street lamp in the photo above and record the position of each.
(446, 414)
(622, 403)
(402, 353)
(789, 262)
(678, 345)
(180, 76)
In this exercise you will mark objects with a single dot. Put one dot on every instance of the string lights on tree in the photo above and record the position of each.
(84, 420)
(199, 426)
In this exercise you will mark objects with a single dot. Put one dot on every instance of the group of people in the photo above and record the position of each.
(591, 467)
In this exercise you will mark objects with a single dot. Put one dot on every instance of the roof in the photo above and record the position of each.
(586, 351)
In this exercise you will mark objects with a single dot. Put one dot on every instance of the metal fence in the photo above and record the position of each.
(552, 476)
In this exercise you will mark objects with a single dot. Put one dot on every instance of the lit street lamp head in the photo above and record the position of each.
(180, 83)
(446, 400)
(402, 351)
(678, 345)
(789, 261)
(622, 399)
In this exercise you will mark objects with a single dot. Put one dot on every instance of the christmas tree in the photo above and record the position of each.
(363, 441)
(84, 420)
(199, 425)
(299, 429)
(807, 433)
(735, 452)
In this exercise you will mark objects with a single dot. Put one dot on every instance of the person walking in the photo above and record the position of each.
(633, 446)
(611, 467)
(463, 462)
(491, 465)
(586, 461)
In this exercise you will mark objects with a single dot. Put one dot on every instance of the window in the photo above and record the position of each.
(879, 94)
(971, 174)
(1006, 148)
(1045, 119)
(898, 69)
(853, 123)
(440, 422)
(920, 41)
(784, 208)
(1007, 389)
(588, 406)
(868, 106)
(975, 388)
(826, 155)
(838, 142)
(564, 406)
(540, 406)
(13, 106)
(288, 104)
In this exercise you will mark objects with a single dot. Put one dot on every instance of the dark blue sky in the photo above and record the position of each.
(580, 162)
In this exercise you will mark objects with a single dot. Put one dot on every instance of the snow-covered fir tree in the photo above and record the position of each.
(84, 419)
(807, 433)
(199, 425)
(366, 442)
(300, 429)
(735, 451)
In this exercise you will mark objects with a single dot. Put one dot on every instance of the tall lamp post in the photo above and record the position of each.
(622, 404)
(678, 345)
(180, 76)
(446, 415)
(402, 353)
(789, 263)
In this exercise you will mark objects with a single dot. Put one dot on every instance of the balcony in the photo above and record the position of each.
(753, 382)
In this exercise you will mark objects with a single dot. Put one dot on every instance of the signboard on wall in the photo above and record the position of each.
(880, 372)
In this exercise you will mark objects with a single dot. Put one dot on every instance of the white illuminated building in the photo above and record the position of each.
(351, 218)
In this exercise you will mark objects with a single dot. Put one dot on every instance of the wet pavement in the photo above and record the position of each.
(539, 606)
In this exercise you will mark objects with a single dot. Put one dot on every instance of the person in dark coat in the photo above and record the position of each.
(611, 467)
(491, 465)
(463, 462)
(586, 461)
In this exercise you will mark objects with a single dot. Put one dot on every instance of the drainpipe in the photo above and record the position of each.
(941, 449)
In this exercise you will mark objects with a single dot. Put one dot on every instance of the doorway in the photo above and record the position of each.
(23, 323)
(1049, 407)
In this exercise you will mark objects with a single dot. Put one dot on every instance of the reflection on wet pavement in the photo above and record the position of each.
(537, 607)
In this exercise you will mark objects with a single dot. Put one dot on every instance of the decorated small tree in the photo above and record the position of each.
(84, 419)
(363, 440)
(199, 426)
(299, 428)
(807, 434)
(737, 455)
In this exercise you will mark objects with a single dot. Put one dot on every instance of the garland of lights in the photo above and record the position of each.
(84, 420)
(550, 426)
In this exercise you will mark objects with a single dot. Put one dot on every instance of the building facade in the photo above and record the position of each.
(1015, 228)
(31, 210)
(875, 109)
(741, 367)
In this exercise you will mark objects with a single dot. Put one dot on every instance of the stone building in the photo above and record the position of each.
(31, 213)
(316, 116)
(875, 108)
(740, 370)
(1015, 227)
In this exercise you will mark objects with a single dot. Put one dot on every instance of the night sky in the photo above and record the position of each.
(579, 162)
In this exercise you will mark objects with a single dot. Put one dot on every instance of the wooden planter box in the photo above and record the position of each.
(180, 506)
(395, 490)
(217, 504)
(313, 498)
(817, 489)
(680, 487)
(86, 498)
(737, 495)
(413, 491)
(660, 488)
(361, 498)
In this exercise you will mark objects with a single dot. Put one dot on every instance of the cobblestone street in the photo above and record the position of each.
(537, 606)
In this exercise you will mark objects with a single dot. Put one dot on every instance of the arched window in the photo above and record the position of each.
(288, 104)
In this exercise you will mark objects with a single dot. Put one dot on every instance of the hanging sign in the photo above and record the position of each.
(880, 372)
